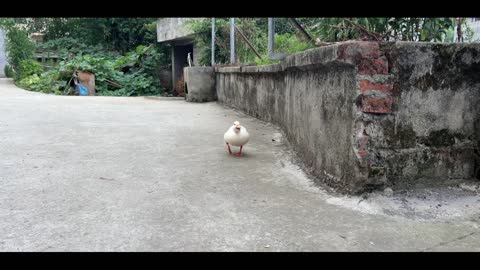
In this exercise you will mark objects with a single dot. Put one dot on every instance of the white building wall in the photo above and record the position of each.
(3, 56)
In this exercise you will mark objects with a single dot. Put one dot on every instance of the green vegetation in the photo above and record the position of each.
(121, 52)
(323, 30)
(255, 29)
(126, 59)
(8, 71)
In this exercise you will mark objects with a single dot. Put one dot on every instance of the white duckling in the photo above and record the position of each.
(236, 135)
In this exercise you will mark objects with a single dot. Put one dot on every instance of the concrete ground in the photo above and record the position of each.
(153, 174)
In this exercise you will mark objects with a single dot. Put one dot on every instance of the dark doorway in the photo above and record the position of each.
(180, 53)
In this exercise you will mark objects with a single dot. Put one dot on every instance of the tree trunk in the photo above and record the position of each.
(459, 29)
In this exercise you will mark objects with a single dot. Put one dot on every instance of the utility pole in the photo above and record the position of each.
(213, 42)
(232, 40)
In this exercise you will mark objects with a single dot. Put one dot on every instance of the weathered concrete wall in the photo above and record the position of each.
(364, 115)
(435, 114)
(172, 28)
(200, 84)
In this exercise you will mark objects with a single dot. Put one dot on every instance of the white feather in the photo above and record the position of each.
(236, 138)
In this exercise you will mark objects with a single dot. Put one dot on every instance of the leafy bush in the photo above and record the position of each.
(9, 72)
(114, 34)
(132, 74)
(110, 48)
(51, 81)
(288, 43)
(29, 82)
(29, 67)
(285, 43)
(32, 77)
(126, 75)
(68, 47)
(330, 29)
(18, 47)
(255, 29)
(389, 28)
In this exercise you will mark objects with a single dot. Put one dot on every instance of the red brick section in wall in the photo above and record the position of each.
(375, 96)
(366, 85)
(374, 90)
(372, 104)
(372, 66)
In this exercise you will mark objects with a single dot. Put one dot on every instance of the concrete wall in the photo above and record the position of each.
(200, 84)
(172, 28)
(3, 56)
(363, 115)
(435, 115)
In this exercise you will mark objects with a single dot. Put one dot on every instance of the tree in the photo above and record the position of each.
(19, 47)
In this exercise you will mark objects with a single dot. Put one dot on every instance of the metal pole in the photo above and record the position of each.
(271, 35)
(213, 41)
(248, 42)
(271, 42)
(232, 40)
(301, 29)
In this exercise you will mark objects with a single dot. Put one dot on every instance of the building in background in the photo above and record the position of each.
(175, 32)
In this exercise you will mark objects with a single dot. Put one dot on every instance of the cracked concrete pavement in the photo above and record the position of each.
(153, 174)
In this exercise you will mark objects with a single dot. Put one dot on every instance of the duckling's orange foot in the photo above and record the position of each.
(239, 152)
